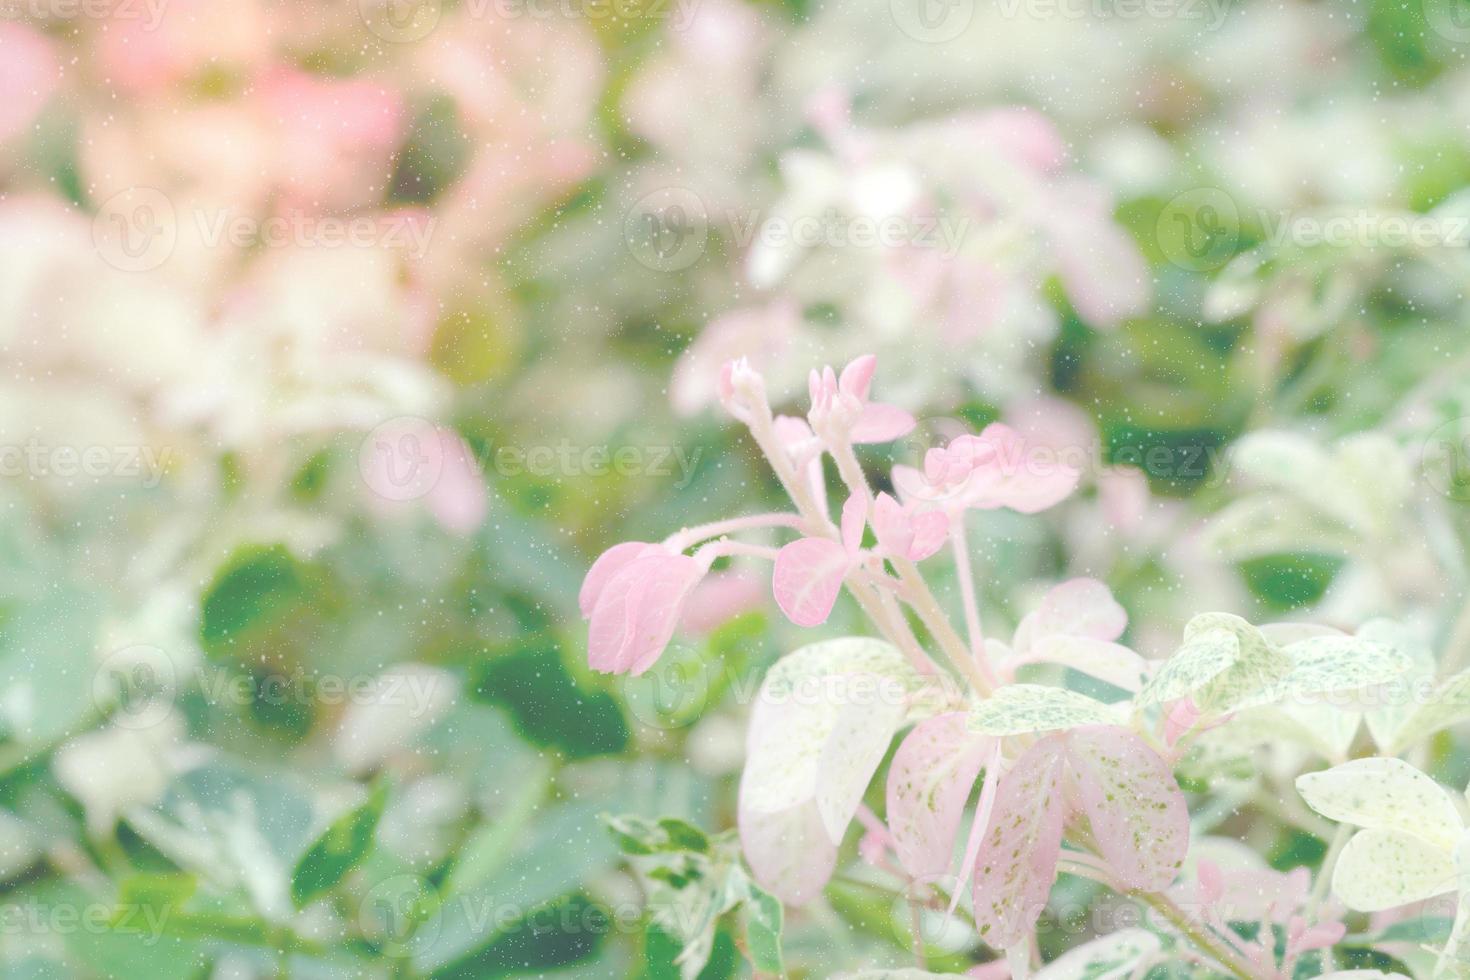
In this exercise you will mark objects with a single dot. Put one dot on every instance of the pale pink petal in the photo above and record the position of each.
(760, 333)
(808, 577)
(1135, 808)
(882, 423)
(929, 782)
(891, 525)
(1082, 607)
(1010, 472)
(910, 483)
(29, 73)
(610, 627)
(656, 603)
(459, 499)
(857, 377)
(931, 530)
(720, 598)
(1106, 661)
(1303, 938)
(1017, 862)
(1023, 134)
(608, 564)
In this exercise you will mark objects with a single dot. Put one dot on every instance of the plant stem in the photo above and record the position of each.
(1208, 943)
(959, 544)
(685, 537)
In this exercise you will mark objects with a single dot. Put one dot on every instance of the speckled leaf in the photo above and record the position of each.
(1383, 869)
(1203, 657)
(853, 752)
(1448, 704)
(1137, 812)
(1331, 664)
(1387, 719)
(789, 852)
(848, 655)
(929, 781)
(1384, 794)
(1223, 663)
(1017, 862)
(1018, 709)
(1109, 957)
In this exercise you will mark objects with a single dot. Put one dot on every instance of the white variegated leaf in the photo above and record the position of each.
(1384, 794)
(1332, 664)
(1383, 869)
(1018, 709)
(1448, 704)
(853, 752)
(1400, 699)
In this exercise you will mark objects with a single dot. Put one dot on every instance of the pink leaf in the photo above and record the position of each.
(931, 530)
(608, 564)
(789, 851)
(637, 611)
(808, 577)
(1018, 476)
(657, 601)
(1137, 812)
(857, 377)
(929, 782)
(1017, 862)
(882, 423)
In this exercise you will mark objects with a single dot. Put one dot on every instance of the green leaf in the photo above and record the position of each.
(1111, 957)
(763, 920)
(549, 707)
(1224, 663)
(263, 596)
(159, 893)
(338, 850)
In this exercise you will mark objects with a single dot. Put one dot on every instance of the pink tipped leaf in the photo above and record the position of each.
(929, 782)
(1136, 809)
(1018, 857)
